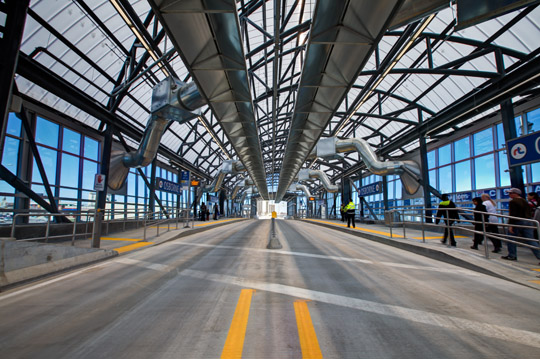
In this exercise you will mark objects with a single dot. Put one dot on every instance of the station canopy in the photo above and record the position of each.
(114, 52)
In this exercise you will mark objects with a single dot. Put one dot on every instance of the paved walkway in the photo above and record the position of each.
(526, 270)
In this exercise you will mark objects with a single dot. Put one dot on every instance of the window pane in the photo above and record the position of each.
(463, 176)
(91, 148)
(444, 155)
(445, 179)
(433, 178)
(46, 132)
(68, 193)
(89, 174)
(533, 121)
(535, 170)
(431, 159)
(483, 141)
(13, 125)
(48, 158)
(500, 137)
(517, 121)
(69, 175)
(131, 183)
(11, 154)
(72, 142)
(485, 172)
(462, 149)
(503, 167)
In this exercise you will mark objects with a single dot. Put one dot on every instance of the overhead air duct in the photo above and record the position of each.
(343, 35)
(208, 38)
(308, 174)
(228, 167)
(172, 100)
(300, 187)
(409, 171)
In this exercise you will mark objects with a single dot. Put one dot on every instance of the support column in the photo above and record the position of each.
(425, 172)
(510, 132)
(10, 42)
(152, 188)
(222, 198)
(385, 192)
(101, 196)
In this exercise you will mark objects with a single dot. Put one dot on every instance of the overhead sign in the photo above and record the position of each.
(524, 149)
(168, 186)
(370, 189)
(194, 183)
(473, 12)
(184, 180)
(99, 182)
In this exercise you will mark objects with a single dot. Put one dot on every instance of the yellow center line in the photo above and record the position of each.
(212, 222)
(306, 332)
(237, 332)
(121, 239)
(132, 247)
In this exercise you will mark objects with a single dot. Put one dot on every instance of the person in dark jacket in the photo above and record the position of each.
(203, 212)
(447, 209)
(519, 210)
(481, 221)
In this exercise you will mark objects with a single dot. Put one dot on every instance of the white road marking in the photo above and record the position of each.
(336, 258)
(519, 336)
(46, 283)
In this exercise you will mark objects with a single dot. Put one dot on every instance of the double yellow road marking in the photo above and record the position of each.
(235, 340)
(234, 344)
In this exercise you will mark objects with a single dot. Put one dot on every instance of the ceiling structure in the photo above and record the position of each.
(386, 72)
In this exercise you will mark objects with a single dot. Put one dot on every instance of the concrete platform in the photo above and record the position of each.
(25, 261)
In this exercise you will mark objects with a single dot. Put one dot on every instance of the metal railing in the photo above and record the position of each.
(47, 236)
(419, 212)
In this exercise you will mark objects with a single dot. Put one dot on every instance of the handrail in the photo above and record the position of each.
(534, 225)
(47, 231)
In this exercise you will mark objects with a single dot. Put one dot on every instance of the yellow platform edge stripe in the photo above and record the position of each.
(234, 344)
(121, 239)
(132, 247)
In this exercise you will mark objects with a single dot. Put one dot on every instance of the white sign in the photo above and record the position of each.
(99, 182)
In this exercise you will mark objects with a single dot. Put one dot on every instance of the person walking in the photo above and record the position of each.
(493, 220)
(447, 209)
(203, 212)
(481, 221)
(350, 212)
(216, 211)
(534, 203)
(519, 210)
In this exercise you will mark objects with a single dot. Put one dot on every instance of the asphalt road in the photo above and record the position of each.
(222, 294)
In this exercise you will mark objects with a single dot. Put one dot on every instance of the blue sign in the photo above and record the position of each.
(370, 189)
(463, 197)
(168, 186)
(524, 149)
(184, 180)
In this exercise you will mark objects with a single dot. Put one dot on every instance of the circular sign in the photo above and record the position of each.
(518, 151)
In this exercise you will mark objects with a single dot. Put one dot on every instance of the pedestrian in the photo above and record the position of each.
(448, 210)
(481, 220)
(203, 212)
(493, 220)
(342, 212)
(534, 203)
(350, 213)
(519, 208)
(216, 211)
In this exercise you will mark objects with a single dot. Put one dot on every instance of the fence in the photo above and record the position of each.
(426, 222)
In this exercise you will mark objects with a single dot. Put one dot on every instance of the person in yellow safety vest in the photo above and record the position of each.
(349, 209)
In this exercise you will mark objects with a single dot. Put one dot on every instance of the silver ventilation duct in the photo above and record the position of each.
(300, 187)
(227, 167)
(243, 183)
(207, 36)
(172, 100)
(342, 38)
(409, 171)
(308, 174)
